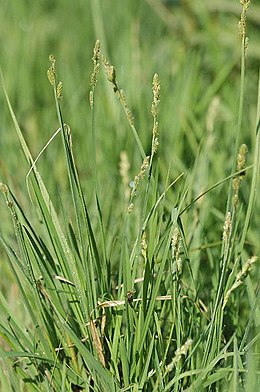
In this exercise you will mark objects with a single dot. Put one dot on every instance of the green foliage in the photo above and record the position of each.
(130, 266)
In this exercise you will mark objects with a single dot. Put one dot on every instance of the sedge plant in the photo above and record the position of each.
(120, 307)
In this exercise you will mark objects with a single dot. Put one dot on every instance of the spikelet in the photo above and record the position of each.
(140, 175)
(242, 25)
(241, 163)
(59, 90)
(95, 59)
(111, 76)
(51, 72)
(176, 250)
(156, 96)
(242, 22)
(3, 187)
(155, 112)
(5, 190)
(227, 227)
(128, 112)
(136, 181)
(240, 277)
(182, 351)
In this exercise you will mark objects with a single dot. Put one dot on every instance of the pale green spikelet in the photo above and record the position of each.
(241, 163)
(130, 208)
(144, 166)
(5, 190)
(227, 227)
(241, 158)
(95, 59)
(51, 72)
(140, 175)
(134, 187)
(52, 60)
(137, 179)
(3, 187)
(128, 112)
(176, 250)
(235, 199)
(91, 99)
(155, 145)
(242, 24)
(182, 351)
(93, 80)
(51, 77)
(240, 278)
(144, 246)
(111, 74)
(155, 113)
(96, 52)
(59, 90)
(156, 95)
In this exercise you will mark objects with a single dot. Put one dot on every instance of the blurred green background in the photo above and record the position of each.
(194, 46)
(189, 43)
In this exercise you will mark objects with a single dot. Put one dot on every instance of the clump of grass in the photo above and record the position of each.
(123, 310)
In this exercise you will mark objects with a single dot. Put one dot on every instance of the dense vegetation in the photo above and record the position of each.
(129, 211)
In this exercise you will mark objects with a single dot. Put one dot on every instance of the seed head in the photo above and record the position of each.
(51, 72)
(59, 90)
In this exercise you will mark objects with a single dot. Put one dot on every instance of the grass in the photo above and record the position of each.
(134, 260)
